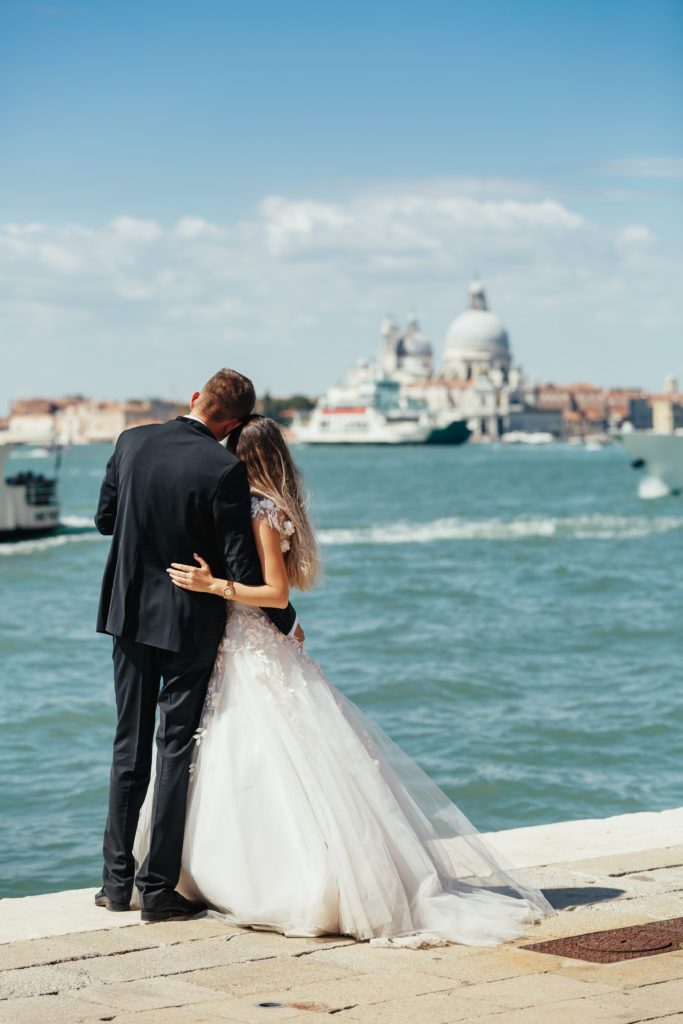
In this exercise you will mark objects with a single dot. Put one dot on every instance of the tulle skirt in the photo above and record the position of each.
(304, 817)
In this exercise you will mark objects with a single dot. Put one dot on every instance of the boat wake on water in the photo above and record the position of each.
(74, 529)
(651, 487)
(582, 527)
(71, 529)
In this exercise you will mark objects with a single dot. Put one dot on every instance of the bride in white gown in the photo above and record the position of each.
(303, 816)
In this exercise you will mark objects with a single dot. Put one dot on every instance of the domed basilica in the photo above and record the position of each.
(478, 379)
(476, 341)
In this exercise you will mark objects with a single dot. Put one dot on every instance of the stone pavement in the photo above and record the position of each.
(203, 971)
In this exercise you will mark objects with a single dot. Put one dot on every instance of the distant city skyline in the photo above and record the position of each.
(257, 187)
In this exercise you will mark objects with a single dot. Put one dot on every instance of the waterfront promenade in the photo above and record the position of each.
(62, 960)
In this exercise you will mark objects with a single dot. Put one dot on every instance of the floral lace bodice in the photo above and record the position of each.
(266, 508)
(248, 628)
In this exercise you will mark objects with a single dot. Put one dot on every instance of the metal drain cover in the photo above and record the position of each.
(633, 943)
(617, 943)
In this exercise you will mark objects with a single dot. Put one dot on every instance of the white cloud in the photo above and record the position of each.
(133, 230)
(25, 229)
(290, 224)
(418, 231)
(636, 234)
(212, 312)
(411, 230)
(309, 280)
(473, 188)
(196, 227)
(26, 318)
(135, 291)
(646, 167)
(59, 257)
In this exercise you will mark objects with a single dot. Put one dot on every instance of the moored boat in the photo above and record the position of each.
(29, 506)
(453, 432)
(375, 412)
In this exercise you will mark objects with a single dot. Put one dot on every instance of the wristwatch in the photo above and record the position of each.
(229, 591)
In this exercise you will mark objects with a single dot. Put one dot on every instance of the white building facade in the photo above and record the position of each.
(479, 380)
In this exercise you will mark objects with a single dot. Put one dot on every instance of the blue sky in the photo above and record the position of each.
(185, 186)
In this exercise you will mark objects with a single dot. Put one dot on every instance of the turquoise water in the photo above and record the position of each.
(511, 617)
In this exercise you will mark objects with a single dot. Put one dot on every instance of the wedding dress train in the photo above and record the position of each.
(304, 817)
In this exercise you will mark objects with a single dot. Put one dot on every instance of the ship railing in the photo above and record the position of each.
(39, 491)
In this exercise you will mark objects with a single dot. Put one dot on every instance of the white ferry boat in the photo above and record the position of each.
(28, 501)
(660, 456)
(375, 412)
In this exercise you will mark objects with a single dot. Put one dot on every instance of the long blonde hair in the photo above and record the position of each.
(273, 474)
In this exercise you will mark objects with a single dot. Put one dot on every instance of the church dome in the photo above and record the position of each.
(417, 345)
(416, 341)
(477, 329)
(477, 332)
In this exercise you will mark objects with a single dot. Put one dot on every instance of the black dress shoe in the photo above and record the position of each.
(169, 905)
(102, 900)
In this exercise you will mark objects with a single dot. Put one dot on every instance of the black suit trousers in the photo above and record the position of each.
(145, 676)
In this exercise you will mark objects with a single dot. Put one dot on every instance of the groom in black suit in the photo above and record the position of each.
(169, 490)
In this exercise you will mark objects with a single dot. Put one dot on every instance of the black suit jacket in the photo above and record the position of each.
(169, 490)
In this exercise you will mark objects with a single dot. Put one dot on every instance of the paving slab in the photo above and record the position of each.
(569, 1011)
(360, 988)
(445, 1007)
(60, 1008)
(147, 994)
(613, 864)
(652, 1000)
(535, 989)
(561, 841)
(285, 972)
(194, 1013)
(162, 961)
(509, 963)
(362, 959)
(64, 960)
(628, 973)
(57, 913)
(247, 1010)
(61, 948)
(38, 981)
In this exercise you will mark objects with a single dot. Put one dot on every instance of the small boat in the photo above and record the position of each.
(527, 437)
(375, 411)
(452, 432)
(29, 506)
(660, 456)
(596, 442)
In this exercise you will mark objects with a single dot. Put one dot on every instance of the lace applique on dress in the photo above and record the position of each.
(248, 628)
(267, 509)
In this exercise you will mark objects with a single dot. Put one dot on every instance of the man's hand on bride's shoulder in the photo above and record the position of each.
(190, 577)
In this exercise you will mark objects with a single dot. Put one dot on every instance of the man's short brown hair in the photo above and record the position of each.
(228, 395)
